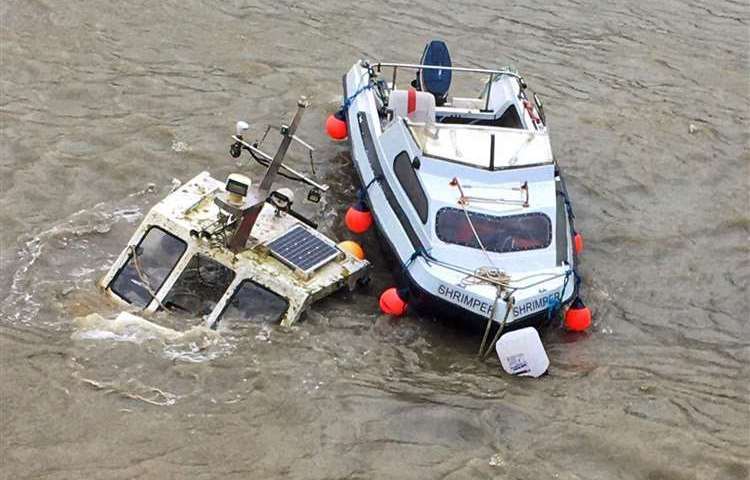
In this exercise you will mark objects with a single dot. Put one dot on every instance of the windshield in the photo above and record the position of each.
(200, 286)
(483, 147)
(498, 234)
(252, 302)
(143, 274)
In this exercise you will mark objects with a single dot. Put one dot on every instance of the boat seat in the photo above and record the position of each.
(500, 111)
(416, 106)
(435, 81)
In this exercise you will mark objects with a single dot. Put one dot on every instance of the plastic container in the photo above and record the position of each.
(521, 353)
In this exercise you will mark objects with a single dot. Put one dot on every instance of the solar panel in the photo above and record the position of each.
(299, 248)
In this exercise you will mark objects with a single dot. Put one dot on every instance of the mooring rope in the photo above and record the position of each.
(348, 100)
(476, 235)
(508, 307)
(489, 322)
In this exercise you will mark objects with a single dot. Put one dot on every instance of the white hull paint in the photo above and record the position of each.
(539, 277)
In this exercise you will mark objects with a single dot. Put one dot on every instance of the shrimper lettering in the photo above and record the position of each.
(534, 305)
(462, 298)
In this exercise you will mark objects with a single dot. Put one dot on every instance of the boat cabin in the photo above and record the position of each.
(218, 250)
(177, 261)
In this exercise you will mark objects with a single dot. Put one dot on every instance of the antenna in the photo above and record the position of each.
(288, 133)
(241, 128)
(255, 197)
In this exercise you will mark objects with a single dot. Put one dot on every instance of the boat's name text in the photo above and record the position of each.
(462, 298)
(531, 306)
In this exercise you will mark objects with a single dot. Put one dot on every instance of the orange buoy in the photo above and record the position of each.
(391, 303)
(578, 316)
(336, 126)
(358, 218)
(353, 248)
(578, 242)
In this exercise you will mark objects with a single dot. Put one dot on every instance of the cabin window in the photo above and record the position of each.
(514, 233)
(410, 182)
(200, 286)
(255, 303)
(155, 257)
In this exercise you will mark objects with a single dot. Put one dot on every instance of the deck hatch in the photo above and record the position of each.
(299, 248)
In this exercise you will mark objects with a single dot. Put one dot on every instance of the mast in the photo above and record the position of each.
(249, 210)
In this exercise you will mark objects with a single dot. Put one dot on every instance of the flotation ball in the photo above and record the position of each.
(578, 316)
(578, 243)
(391, 303)
(336, 126)
(358, 218)
(353, 248)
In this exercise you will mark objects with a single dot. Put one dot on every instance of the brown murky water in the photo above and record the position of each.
(101, 99)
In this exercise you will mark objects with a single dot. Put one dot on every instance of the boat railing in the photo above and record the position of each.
(492, 73)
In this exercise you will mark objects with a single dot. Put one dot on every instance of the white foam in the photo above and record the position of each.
(197, 344)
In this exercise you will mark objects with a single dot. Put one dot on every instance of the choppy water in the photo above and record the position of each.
(101, 99)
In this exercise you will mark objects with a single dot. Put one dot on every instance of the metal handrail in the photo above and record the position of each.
(416, 66)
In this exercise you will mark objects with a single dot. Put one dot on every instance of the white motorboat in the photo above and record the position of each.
(465, 190)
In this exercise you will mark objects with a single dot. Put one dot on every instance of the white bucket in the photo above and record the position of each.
(521, 353)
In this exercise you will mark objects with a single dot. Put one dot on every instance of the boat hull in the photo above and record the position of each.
(416, 270)
(426, 303)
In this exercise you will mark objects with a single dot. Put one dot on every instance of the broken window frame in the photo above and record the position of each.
(131, 261)
(202, 285)
(238, 288)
